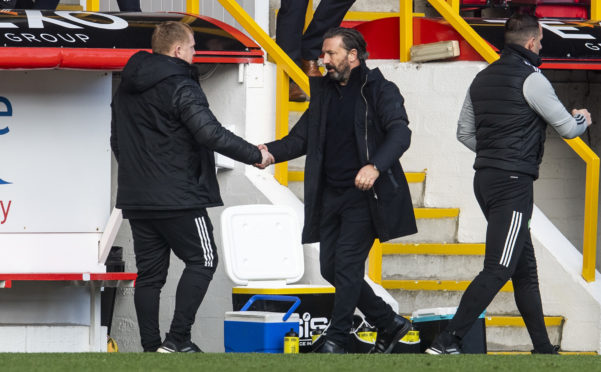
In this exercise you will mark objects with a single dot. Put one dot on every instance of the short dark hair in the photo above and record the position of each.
(351, 39)
(519, 28)
(168, 33)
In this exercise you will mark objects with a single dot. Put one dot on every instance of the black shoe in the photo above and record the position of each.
(170, 346)
(388, 337)
(330, 347)
(554, 349)
(444, 343)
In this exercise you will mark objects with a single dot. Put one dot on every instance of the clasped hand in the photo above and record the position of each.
(267, 158)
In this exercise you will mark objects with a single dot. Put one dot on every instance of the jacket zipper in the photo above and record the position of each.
(373, 189)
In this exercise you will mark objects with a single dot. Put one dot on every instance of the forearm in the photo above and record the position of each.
(541, 97)
(466, 125)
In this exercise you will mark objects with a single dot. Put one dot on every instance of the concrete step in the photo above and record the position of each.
(434, 225)
(424, 294)
(516, 337)
(431, 261)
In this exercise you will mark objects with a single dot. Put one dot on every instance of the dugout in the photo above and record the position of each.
(56, 226)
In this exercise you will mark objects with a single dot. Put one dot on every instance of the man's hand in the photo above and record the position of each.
(366, 177)
(585, 113)
(267, 158)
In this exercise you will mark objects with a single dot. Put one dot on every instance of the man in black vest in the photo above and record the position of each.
(503, 120)
(353, 134)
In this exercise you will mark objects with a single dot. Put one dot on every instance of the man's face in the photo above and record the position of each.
(536, 43)
(186, 50)
(336, 59)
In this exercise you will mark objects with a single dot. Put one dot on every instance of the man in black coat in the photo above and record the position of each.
(353, 134)
(163, 135)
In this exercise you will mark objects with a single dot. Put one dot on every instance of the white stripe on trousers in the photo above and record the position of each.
(205, 242)
(514, 229)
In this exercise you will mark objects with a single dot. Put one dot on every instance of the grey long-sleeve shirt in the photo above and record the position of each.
(541, 97)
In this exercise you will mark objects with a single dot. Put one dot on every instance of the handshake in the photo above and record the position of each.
(267, 158)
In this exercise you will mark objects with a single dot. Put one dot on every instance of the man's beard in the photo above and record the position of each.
(341, 73)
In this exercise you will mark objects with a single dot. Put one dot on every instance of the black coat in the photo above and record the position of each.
(163, 135)
(382, 135)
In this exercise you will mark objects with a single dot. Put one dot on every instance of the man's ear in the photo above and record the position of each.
(530, 43)
(353, 55)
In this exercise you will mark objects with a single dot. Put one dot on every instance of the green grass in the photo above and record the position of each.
(295, 363)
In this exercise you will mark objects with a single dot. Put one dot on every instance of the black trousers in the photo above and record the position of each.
(506, 198)
(190, 237)
(129, 5)
(347, 234)
(38, 4)
(291, 20)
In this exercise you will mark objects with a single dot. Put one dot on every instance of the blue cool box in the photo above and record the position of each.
(257, 331)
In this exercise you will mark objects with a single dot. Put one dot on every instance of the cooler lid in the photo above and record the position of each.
(260, 317)
(436, 313)
(262, 243)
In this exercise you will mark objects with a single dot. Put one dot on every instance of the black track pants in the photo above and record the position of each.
(191, 239)
(506, 198)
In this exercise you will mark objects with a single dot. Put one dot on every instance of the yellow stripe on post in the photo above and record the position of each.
(596, 10)
(281, 119)
(193, 6)
(374, 264)
(93, 5)
(406, 29)
(468, 33)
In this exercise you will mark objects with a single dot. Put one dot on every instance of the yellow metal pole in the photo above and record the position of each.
(281, 119)
(374, 265)
(591, 207)
(465, 30)
(193, 6)
(595, 10)
(257, 33)
(406, 29)
(454, 5)
(308, 14)
(93, 5)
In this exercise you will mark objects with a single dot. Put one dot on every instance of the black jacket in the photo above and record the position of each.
(163, 136)
(510, 135)
(382, 135)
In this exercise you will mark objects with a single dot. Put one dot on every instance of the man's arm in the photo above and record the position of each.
(192, 107)
(466, 125)
(540, 95)
(393, 118)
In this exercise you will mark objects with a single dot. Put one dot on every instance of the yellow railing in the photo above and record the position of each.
(591, 202)
(286, 69)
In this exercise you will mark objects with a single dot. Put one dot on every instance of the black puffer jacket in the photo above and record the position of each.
(163, 136)
(382, 135)
(510, 135)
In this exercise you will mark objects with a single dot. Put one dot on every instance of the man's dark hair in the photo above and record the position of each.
(519, 28)
(168, 33)
(351, 39)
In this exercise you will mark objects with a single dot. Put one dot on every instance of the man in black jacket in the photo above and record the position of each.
(503, 119)
(163, 136)
(353, 134)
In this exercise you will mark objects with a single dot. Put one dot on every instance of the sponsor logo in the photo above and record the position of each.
(6, 111)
